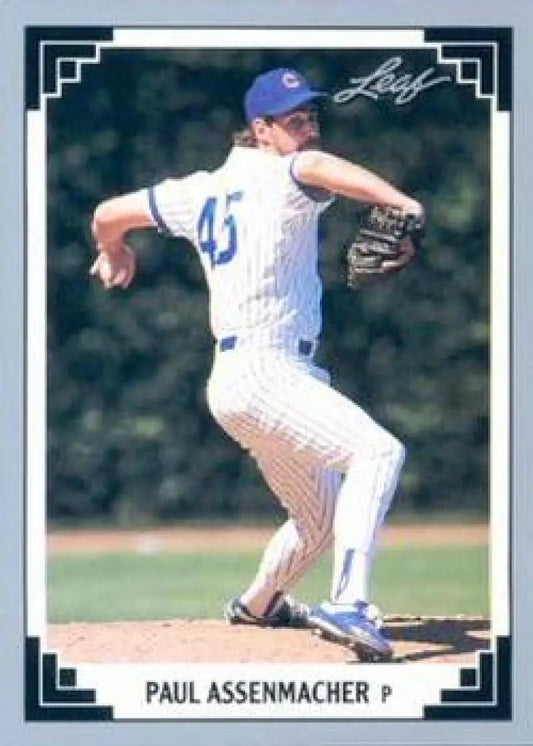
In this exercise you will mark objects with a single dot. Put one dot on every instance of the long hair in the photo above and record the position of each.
(245, 138)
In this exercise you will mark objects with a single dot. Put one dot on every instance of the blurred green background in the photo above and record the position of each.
(169, 585)
(130, 439)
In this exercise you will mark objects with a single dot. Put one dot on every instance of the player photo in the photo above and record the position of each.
(267, 362)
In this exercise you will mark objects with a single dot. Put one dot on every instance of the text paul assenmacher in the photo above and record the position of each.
(259, 692)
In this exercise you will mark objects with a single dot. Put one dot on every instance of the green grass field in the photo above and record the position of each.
(441, 580)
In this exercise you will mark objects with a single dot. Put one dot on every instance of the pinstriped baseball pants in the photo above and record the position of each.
(305, 436)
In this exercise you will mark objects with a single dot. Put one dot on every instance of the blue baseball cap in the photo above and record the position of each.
(277, 92)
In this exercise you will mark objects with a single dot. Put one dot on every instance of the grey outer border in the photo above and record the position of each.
(13, 16)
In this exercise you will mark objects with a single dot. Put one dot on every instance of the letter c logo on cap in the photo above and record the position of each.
(290, 80)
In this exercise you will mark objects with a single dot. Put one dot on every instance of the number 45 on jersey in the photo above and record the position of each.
(223, 248)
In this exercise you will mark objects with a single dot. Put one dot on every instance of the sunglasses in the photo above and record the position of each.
(297, 120)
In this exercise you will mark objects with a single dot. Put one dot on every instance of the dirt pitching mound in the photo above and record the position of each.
(241, 538)
(415, 639)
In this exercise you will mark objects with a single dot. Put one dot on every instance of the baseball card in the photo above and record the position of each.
(271, 290)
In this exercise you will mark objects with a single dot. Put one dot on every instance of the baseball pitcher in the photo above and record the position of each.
(253, 222)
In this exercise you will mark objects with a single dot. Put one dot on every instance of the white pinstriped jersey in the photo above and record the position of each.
(255, 231)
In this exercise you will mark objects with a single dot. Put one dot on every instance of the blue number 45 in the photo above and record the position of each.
(206, 230)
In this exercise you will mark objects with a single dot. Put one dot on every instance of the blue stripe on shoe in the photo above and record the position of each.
(350, 628)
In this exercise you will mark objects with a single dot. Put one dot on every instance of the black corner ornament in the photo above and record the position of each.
(51, 692)
(55, 55)
(482, 57)
(484, 693)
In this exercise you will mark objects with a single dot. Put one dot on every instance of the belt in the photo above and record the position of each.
(304, 346)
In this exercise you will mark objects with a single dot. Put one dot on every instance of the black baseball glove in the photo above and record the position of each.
(387, 240)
